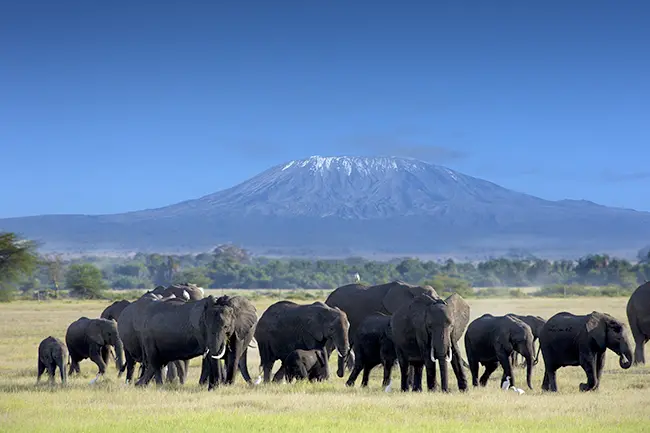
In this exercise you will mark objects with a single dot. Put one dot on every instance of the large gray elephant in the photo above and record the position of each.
(638, 316)
(113, 311)
(179, 330)
(536, 323)
(130, 325)
(187, 291)
(286, 326)
(491, 340)
(571, 340)
(92, 338)
(238, 321)
(359, 301)
(427, 330)
(52, 354)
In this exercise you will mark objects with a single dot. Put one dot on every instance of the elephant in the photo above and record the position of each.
(306, 364)
(638, 316)
(187, 291)
(52, 354)
(129, 327)
(113, 311)
(427, 330)
(572, 340)
(374, 346)
(237, 337)
(491, 340)
(359, 301)
(286, 326)
(179, 330)
(536, 323)
(91, 338)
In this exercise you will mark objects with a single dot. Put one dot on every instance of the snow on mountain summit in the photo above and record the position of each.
(352, 187)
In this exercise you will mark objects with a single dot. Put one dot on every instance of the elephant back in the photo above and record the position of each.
(639, 301)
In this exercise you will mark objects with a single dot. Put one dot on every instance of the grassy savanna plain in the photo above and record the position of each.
(621, 404)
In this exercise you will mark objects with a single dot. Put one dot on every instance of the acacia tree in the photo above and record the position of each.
(85, 281)
(18, 258)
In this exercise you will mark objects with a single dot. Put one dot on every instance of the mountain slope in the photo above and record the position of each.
(345, 205)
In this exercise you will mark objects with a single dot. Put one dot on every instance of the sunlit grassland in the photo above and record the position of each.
(620, 405)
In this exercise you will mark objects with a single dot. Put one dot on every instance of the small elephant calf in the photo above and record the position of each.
(306, 364)
(52, 353)
(373, 346)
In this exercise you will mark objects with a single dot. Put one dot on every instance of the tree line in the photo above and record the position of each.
(24, 271)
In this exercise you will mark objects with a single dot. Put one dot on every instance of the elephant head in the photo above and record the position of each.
(400, 293)
(213, 323)
(516, 335)
(325, 322)
(222, 327)
(104, 332)
(444, 321)
(609, 333)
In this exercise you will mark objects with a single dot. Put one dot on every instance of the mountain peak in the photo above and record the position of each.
(360, 164)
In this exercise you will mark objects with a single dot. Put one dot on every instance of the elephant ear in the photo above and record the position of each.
(460, 311)
(597, 329)
(94, 333)
(397, 295)
(314, 325)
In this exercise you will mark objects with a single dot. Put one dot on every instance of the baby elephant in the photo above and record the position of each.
(306, 364)
(373, 346)
(52, 353)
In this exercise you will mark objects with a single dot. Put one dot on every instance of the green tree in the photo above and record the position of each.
(18, 259)
(193, 275)
(85, 281)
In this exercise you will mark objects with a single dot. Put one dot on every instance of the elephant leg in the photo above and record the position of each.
(639, 355)
(51, 371)
(473, 368)
(404, 371)
(279, 375)
(457, 367)
(205, 371)
(106, 354)
(267, 367)
(417, 376)
(504, 360)
(388, 369)
(62, 371)
(41, 370)
(600, 364)
(546, 382)
(355, 373)
(366, 376)
(96, 357)
(232, 360)
(431, 374)
(490, 367)
(588, 364)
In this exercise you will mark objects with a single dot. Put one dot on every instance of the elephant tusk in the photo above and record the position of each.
(340, 354)
(448, 357)
(220, 355)
(206, 353)
(624, 359)
(433, 358)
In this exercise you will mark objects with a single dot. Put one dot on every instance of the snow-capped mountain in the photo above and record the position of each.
(353, 205)
(350, 188)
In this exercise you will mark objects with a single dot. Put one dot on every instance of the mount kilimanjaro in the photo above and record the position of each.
(354, 205)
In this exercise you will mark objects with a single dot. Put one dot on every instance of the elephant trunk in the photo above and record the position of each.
(625, 356)
(119, 354)
(539, 348)
(526, 349)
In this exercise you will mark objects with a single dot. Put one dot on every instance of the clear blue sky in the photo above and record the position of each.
(123, 105)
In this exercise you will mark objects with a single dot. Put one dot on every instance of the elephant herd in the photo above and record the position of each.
(386, 324)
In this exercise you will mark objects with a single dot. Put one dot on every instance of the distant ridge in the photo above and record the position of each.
(355, 205)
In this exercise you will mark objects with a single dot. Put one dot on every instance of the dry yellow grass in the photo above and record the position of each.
(620, 405)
